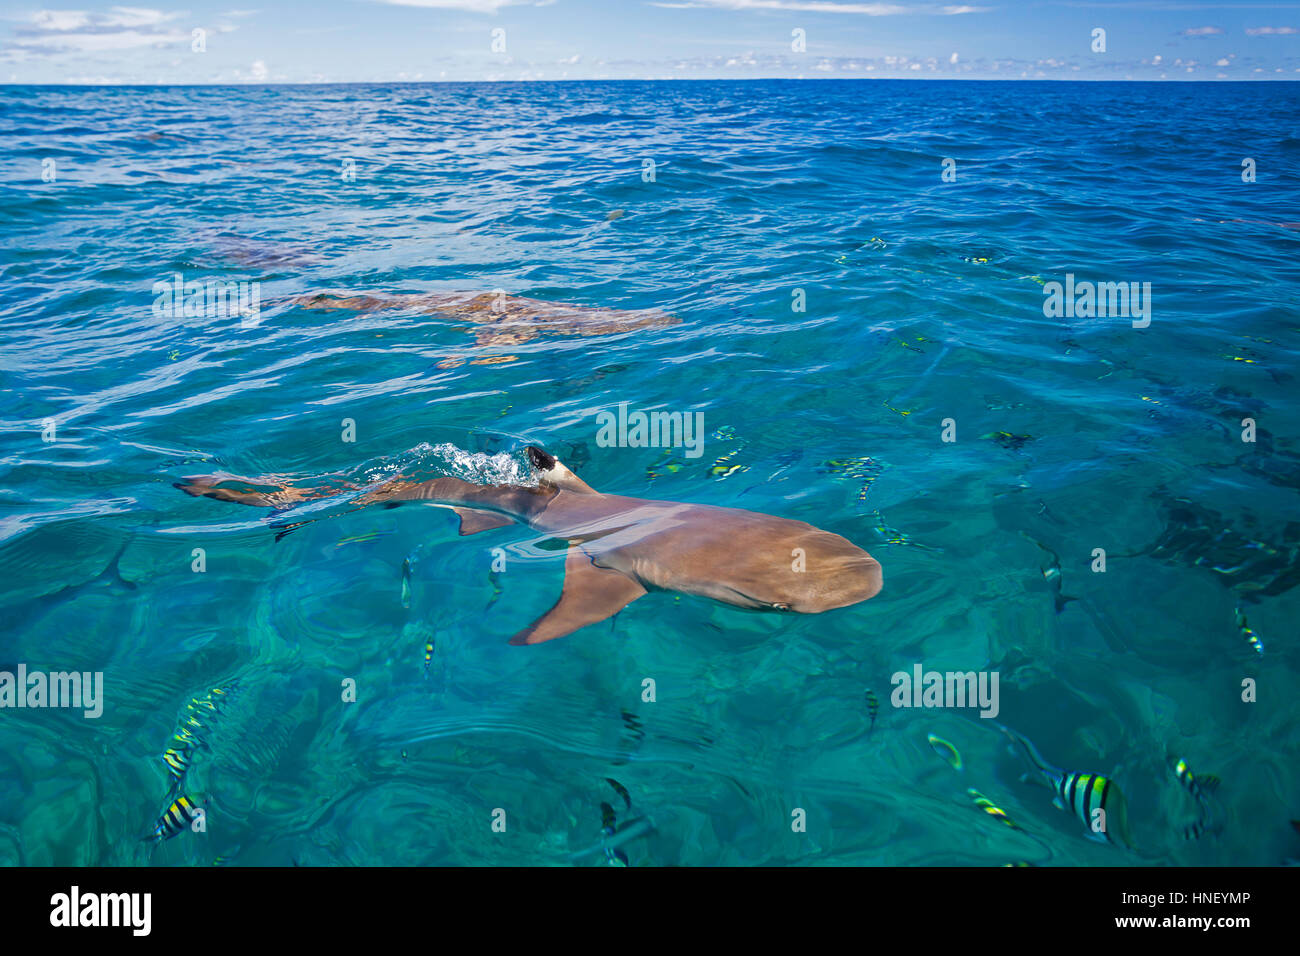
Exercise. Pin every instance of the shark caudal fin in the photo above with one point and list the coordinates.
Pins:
(591, 593)
(553, 472)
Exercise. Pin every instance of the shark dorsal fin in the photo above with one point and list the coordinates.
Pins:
(553, 472)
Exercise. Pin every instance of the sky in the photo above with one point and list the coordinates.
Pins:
(339, 41)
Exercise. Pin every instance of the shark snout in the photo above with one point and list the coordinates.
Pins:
(858, 582)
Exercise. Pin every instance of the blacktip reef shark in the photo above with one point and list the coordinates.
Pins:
(620, 548)
(499, 319)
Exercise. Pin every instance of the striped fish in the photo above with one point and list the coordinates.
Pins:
(873, 708)
(178, 763)
(1199, 788)
(1251, 637)
(198, 715)
(176, 818)
(992, 809)
(1084, 794)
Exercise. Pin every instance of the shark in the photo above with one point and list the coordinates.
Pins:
(619, 548)
(498, 319)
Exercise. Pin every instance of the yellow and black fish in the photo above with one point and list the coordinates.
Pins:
(945, 750)
(199, 716)
(1251, 637)
(1009, 441)
(989, 807)
(873, 707)
(724, 467)
(667, 461)
(1199, 787)
(1084, 795)
(178, 763)
(428, 656)
(177, 817)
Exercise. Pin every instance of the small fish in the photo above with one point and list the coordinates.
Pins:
(873, 707)
(403, 753)
(945, 750)
(176, 818)
(361, 538)
(621, 791)
(1008, 440)
(406, 583)
(1251, 637)
(973, 259)
(633, 724)
(1083, 794)
(1051, 572)
(724, 468)
(667, 462)
(897, 411)
(428, 656)
(608, 826)
(890, 535)
(615, 214)
(178, 763)
(1052, 575)
(494, 578)
(1200, 788)
(987, 805)
(609, 843)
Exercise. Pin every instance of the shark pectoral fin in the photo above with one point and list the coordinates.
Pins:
(472, 521)
(590, 594)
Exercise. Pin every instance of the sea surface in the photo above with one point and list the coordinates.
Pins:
(840, 309)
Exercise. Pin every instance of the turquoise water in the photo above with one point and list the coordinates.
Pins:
(924, 302)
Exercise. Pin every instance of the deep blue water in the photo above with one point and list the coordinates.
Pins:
(924, 301)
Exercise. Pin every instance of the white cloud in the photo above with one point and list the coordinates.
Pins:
(1222, 62)
(468, 6)
(1201, 31)
(75, 31)
(1270, 31)
(819, 6)
(258, 71)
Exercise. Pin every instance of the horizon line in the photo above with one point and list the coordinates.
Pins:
(674, 79)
